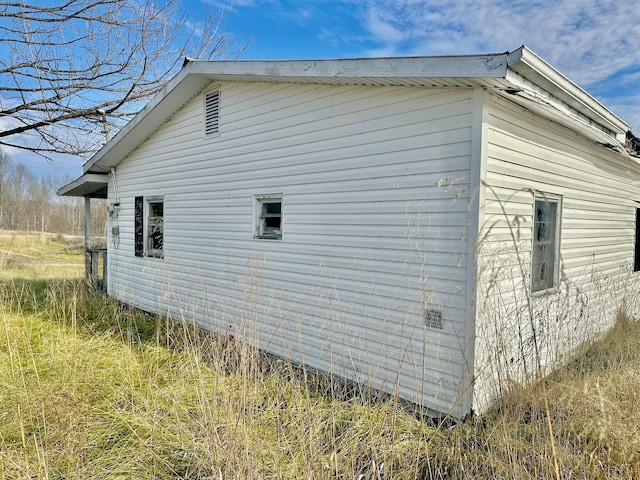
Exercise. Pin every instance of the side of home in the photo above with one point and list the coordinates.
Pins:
(558, 255)
(435, 227)
(325, 224)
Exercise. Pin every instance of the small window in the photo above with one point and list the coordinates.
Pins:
(636, 256)
(268, 217)
(545, 245)
(211, 113)
(149, 227)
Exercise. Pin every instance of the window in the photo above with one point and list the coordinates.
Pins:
(636, 256)
(155, 228)
(545, 245)
(211, 113)
(149, 227)
(268, 223)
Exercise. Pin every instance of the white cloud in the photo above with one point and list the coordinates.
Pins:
(587, 40)
(594, 43)
(381, 27)
(627, 108)
(230, 3)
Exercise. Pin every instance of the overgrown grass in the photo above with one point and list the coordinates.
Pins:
(93, 389)
(39, 256)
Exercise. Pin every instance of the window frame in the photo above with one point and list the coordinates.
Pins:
(142, 211)
(261, 231)
(537, 287)
(149, 250)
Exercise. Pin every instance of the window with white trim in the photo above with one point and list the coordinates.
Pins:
(545, 248)
(155, 228)
(149, 227)
(268, 217)
(211, 120)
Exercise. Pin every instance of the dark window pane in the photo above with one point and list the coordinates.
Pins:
(156, 209)
(155, 229)
(272, 222)
(272, 208)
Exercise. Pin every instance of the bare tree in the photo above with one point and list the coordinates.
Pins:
(5, 166)
(29, 203)
(69, 68)
(16, 197)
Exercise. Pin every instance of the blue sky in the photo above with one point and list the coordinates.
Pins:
(596, 43)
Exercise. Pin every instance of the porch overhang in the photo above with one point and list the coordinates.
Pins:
(93, 185)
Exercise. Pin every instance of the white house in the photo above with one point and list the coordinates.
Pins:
(434, 227)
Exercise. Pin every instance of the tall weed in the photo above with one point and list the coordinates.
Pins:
(90, 388)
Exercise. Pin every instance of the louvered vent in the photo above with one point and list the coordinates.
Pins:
(211, 113)
(433, 318)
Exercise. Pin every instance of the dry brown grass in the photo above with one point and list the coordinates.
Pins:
(92, 389)
(39, 256)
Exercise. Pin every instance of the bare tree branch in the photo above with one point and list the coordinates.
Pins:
(62, 62)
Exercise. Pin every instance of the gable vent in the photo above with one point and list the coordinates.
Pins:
(211, 113)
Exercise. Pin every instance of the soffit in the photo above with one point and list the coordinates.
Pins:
(528, 70)
(92, 185)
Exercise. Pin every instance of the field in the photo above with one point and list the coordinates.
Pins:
(93, 389)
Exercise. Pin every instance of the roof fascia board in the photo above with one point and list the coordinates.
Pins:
(463, 66)
(525, 89)
(184, 81)
(558, 84)
(551, 112)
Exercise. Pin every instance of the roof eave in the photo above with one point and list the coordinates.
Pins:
(526, 63)
(93, 185)
(196, 75)
(356, 70)
(175, 94)
(519, 67)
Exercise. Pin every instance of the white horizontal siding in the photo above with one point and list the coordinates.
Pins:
(375, 185)
(599, 191)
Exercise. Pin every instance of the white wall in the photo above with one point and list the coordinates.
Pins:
(376, 192)
(520, 334)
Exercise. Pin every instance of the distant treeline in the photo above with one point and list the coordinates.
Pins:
(30, 203)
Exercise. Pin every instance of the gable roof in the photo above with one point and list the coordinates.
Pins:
(521, 75)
